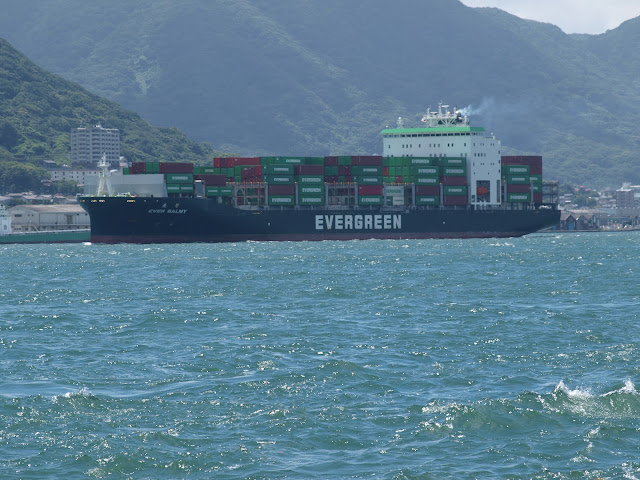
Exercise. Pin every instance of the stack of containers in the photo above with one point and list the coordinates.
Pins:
(280, 184)
(454, 181)
(179, 182)
(310, 178)
(510, 168)
(366, 171)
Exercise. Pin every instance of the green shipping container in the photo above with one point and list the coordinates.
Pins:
(125, 171)
(454, 171)
(370, 199)
(518, 180)
(310, 190)
(394, 191)
(311, 180)
(265, 161)
(331, 170)
(368, 180)
(152, 167)
(199, 170)
(311, 200)
(212, 191)
(424, 171)
(427, 200)
(279, 169)
(424, 161)
(343, 160)
(430, 181)
(314, 160)
(366, 170)
(282, 200)
(291, 160)
(536, 178)
(173, 188)
(454, 190)
(453, 161)
(225, 191)
(186, 188)
(174, 178)
(515, 169)
(518, 197)
(280, 179)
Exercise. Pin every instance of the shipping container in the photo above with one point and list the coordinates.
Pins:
(518, 179)
(430, 180)
(212, 191)
(370, 189)
(311, 190)
(331, 179)
(176, 167)
(280, 179)
(427, 199)
(426, 170)
(453, 161)
(360, 170)
(225, 191)
(518, 188)
(179, 178)
(518, 197)
(210, 180)
(343, 170)
(331, 170)
(366, 160)
(279, 169)
(423, 161)
(458, 200)
(454, 190)
(311, 200)
(427, 190)
(454, 181)
(184, 188)
(368, 180)
(282, 189)
(393, 190)
(454, 171)
(331, 161)
(173, 188)
(344, 160)
(309, 170)
(285, 200)
(311, 179)
(537, 198)
(291, 160)
(515, 169)
(370, 200)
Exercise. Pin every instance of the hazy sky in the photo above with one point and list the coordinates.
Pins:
(572, 16)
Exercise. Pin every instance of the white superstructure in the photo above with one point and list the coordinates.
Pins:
(5, 221)
(447, 134)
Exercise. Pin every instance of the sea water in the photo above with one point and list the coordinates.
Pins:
(490, 358)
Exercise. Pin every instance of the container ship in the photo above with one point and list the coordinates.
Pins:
(445, 179)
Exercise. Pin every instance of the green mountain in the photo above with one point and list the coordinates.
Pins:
(320, 77)
(38, 110)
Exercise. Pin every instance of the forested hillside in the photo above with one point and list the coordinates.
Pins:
(321, 77)
(38, 110)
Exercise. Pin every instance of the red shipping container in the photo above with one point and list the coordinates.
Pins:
(399, 179)
(344, 170)
(331, 179)
(427, 190)
(348, 179)
(370, 189)
(212, 180)
(308, 169)
(537, 198)
(385, 171)
(138, 167)
(217, 162)
(454, 180)
(176, 167)
(331, 161)
(246, 161)
(518, 188)
(455, 200)
(282, 189)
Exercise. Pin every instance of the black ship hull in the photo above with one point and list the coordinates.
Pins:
(190, 219)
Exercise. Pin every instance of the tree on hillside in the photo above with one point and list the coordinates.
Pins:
(21, 177)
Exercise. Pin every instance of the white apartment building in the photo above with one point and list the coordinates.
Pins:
(88, 144)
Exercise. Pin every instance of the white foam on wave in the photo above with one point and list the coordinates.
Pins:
(576, 393)
(83, 392)
(628, 387)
